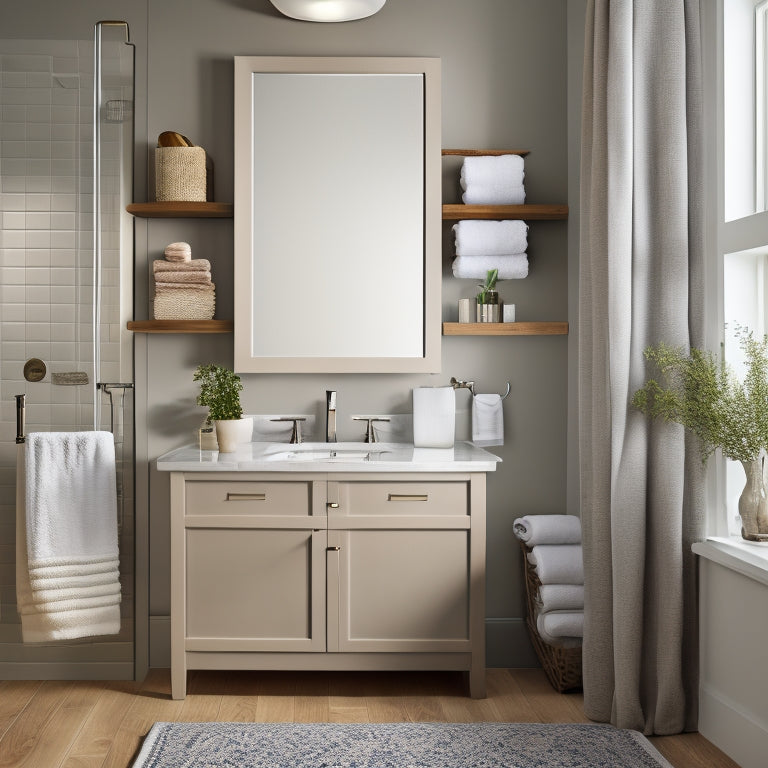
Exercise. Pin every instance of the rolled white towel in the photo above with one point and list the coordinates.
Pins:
(548, 529)
(558, 563)
(561, 597)
(511, 267)
(475, 237)
(493, 180)
(560, 624)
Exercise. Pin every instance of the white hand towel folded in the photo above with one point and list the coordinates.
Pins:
(493, 180)
(560, 624)
(511, 267)
(487, 420)
(548, 529)
(561, 597)
(490, 238)
(558, 563)
(67, 532)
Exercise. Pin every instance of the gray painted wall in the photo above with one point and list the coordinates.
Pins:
(505, 81)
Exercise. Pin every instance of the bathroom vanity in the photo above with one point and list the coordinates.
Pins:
(343, 556)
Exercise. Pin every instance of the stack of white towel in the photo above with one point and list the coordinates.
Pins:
(483, 245)
(183, 287)
(555, 542)
(67, 562)
(493, 180)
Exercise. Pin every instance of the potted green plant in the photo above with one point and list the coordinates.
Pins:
(488, 299)
(703, 395)
(220, 392)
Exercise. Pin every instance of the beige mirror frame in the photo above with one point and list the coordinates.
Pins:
(338, 215)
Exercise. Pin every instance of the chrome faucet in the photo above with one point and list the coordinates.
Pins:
(330, 416)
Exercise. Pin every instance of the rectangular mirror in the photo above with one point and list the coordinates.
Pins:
(337, 214)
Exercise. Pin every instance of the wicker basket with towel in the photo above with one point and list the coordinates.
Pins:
(554, 588)
(183, 171)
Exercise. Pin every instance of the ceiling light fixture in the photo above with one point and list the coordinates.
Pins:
(328, 10)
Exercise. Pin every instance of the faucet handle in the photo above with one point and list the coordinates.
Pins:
(370, 435)
(296, 431)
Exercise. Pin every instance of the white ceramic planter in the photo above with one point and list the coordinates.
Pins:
(233, 432)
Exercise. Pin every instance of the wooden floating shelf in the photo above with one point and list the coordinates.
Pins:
(182, 210)
(181, 326)
(454, 212)
(506, 329)
(484, 152)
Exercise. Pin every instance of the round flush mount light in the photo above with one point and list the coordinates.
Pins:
(328, 10)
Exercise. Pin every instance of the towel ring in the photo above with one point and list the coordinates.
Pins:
(470, 385)
(506, 394)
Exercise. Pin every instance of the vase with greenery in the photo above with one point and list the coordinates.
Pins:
(220, 392)
(702, 394)
(488, 299)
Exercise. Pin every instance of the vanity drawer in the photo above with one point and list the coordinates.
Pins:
(249, 498)
(401, 498)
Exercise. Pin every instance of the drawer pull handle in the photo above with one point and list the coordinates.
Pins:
(246, 496)
(332, 549)
(408, 497)
(332, 505)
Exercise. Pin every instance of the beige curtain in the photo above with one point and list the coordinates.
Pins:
(641, 283)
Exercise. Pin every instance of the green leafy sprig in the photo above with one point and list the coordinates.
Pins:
(490, 284)
(703, 395)
(219, 391)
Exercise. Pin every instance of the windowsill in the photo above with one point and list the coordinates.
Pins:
(749, 558)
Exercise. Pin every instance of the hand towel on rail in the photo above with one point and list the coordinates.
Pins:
(476, 237)
(558, 563)
(487, 420)
(67, 553)
(493, 180)
(511, 267)
(548, 529)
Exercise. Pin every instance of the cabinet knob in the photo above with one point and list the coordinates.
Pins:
(332, 505)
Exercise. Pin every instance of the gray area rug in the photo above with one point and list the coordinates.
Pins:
(395, 745)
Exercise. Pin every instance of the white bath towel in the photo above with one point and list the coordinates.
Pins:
(560, 624)
(561, 597)
(548, 529)
(487, 420)
(66, 545)
(558, 563)
(475, 237)
(511, 267)
(493, 180)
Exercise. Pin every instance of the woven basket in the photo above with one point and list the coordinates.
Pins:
(180, 174)
(561, 665)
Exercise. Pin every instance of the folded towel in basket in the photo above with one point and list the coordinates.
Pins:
(493, 180)
(511, 267)
(558, 563)
(560, 597)
(548, 529)
(67, 577)
(490, 238)
(560, 624)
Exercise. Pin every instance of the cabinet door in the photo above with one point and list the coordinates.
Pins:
(403, 566)
(255, 589)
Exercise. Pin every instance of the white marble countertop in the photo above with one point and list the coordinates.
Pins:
(318, 457)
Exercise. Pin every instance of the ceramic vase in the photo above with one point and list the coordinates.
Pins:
(233, 432)
(753, 502)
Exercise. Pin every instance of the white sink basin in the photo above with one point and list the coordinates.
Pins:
(332, 452)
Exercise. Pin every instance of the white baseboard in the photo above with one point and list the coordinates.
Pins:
(506, 641)
(742, 735)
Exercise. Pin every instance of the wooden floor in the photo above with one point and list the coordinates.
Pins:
(101, 725)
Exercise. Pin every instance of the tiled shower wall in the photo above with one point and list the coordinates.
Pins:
(46, 282)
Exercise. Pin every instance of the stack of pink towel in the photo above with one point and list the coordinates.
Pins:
(183, 287)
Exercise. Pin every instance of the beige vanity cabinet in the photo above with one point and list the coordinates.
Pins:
(327, 571)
